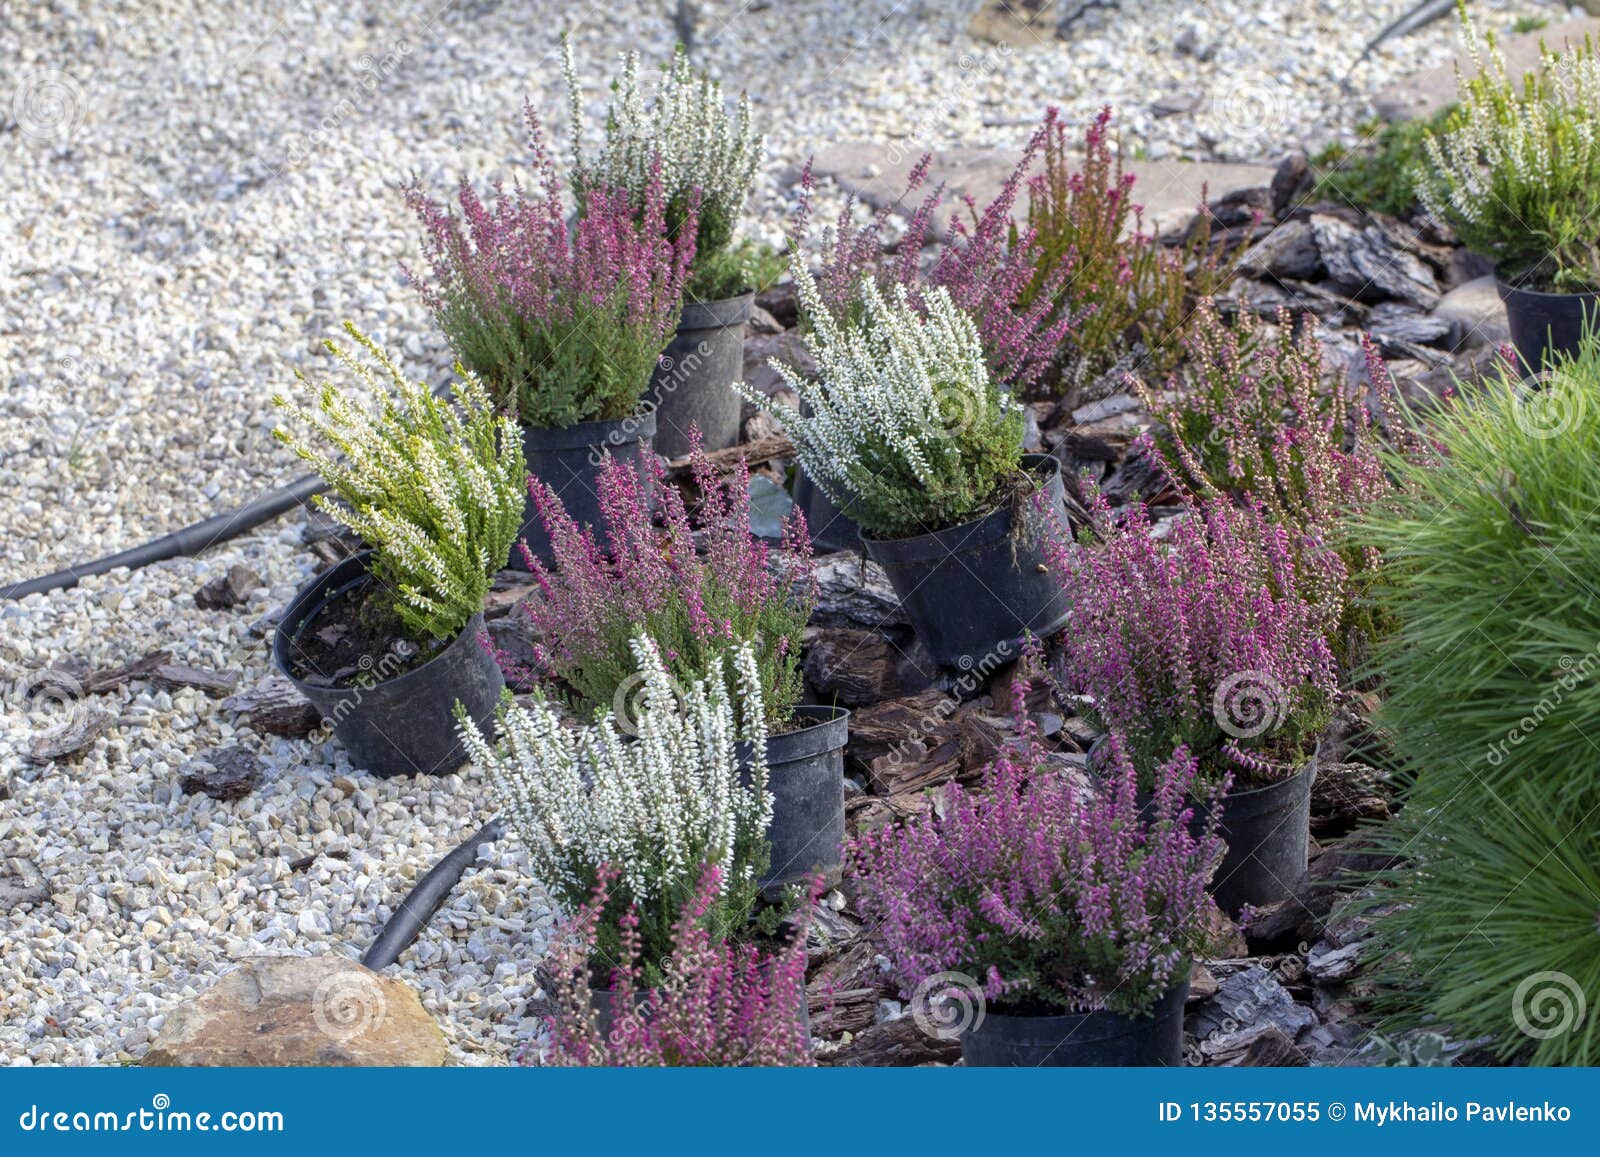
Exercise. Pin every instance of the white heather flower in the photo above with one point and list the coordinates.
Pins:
(656, 808)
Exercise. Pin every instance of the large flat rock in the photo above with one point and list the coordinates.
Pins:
(1425, 93)
(1169, 190)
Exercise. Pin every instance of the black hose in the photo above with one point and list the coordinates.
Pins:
(191, 540)
(426, 898)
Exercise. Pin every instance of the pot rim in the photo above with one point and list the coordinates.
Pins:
(1048, 466)
(825, 717)
(1508, 290)
(310, 593)
(583, 435)
(718, 313)
(1308, 768)
(1125, 1024)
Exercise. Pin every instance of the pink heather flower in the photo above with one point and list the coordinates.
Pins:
(1216, 639)
(698, 597)
(1057, 897)
(988, 266)
(720, 1004)
(564, 323)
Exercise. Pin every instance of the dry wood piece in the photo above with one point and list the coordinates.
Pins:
(275, 707)
(175, 676)
(82, 727)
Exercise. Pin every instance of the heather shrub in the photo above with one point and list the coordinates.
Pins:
(705, 158)
(718, 1003)
(1489, 676)
(1129, 295)
(435, 489)
(986, 266)
(1049, 899)
(699, 606)
(1252, 418)
(563, 324)
(902, 424)
(657, 804)
(1515, 170)
(1215, 639)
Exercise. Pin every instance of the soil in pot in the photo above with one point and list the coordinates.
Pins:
(568, 460)
(1546, 324)
(394, 713)
(998, 1038)
(973, 591)
(693, 382)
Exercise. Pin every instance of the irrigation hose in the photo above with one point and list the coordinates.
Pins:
(426, 898)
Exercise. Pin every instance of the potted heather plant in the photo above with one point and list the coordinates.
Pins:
(1515, 171)
(904, 427)
(722, 1004)
(563, 325)
(698, 602)
(985, 265)
(1215, 639)
(388, 644)
(658, 805)
(704, 156)
(1065, 935)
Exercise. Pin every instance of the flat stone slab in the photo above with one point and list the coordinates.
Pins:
(1425, 93)
(1170, 190)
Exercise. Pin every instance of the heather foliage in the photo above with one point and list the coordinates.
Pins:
(1515, 170)
(1129, 295)
(698, 606)
(657, 804)
(902, 424)
(1491, 675)
(565, 325)
(718, 1003)
(435, 489)
(1215, 640)
(703, 157)
(986, 267)
(1053, 900)
(1253, 419)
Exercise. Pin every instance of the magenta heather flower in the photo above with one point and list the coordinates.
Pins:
(698, 598)
(564, 324)
(1052, 896)
(1216, 638)
(987, 266)
(720, 1004)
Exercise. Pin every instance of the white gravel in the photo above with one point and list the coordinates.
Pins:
(196, 194)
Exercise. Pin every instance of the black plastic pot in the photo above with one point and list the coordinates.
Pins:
(568, 460)
(400, 726)
(831, 530)
(1097, 1039)
(693, 381)
(971, 592)
(805, 773)
(1546, 323)
(1268, 831)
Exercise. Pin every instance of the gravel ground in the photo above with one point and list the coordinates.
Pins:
(197, 194)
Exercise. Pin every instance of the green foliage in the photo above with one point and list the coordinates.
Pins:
(1515, 170)
(1491, 550)
(1497, 929)
(1381, 174)
(1128, 292)
(735, 269)
(435, 489)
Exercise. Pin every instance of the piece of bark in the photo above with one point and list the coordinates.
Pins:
(223, 773)
(855, 668)
(275, 707)
(897, 1043)
(83, 727)
(176, 676)
(723, 461)
(113, 677)
(228, 590)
